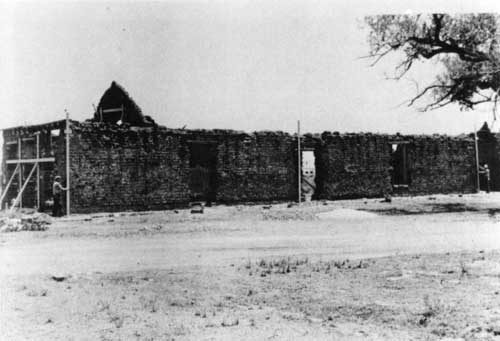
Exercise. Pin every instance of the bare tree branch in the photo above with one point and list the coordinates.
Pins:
(465, 44)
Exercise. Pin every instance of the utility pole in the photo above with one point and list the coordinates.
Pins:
(37, 171)
(20, 184)
(67, 132)
(299, 158)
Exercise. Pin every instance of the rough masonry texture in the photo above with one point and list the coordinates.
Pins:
(360, 165)
(353, 166)
(122, 160)
(441, 164)
(123, 168)
(115, 168)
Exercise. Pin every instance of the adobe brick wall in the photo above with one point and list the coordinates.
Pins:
(257, 167)
(118, 168)
(359, 165)
(441, 164)
(353, 166)
(114, 168)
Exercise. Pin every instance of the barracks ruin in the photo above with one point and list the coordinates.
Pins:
(122, 160)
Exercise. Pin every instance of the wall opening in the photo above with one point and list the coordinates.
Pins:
(54, 138)
(399, 162)
(308, 185)
(11, 150)
(202, 171)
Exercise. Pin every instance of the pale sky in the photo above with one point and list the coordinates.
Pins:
(244, 65)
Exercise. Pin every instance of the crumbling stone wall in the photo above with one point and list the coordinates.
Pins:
(441, 164)
(130, 168)
(257, 167)
(353, 166)
(122, 168)
(138, 168)
(360, 165)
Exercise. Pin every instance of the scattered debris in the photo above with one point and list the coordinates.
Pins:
(59, 278)
(37, 293)
(288, 215)
(15, 222)
(230, 322)
(196, 207)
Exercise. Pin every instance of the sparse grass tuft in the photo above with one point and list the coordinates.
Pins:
(285, 265)
(230, 322)
(116, 319)
(102, 305)
(151, 304)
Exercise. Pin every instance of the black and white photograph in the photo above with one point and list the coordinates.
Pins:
(250, 170)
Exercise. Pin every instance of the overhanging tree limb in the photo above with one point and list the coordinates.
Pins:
(466, 45)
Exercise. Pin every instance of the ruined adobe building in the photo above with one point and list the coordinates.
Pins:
(122, 160)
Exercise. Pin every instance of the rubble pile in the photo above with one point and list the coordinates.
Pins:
(24, 222)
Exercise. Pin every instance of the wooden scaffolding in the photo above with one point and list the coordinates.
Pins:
(32, 163)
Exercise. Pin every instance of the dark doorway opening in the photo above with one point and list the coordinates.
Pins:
(202, 174)
(399, 163)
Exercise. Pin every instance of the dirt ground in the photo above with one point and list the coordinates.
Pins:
(421, 268)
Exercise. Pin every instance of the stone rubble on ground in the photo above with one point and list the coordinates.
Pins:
(15, 222)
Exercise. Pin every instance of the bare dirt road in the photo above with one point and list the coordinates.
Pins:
(417, 268)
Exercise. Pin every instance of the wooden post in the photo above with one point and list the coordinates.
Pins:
(37, 171)
(478, 189)
(299, 158)
(20, 178)
(20, 194)
(67, 131)
(6, 189)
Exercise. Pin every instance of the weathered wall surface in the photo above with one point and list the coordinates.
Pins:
(140, 168)
(360, 165)
(441, 164)
(353, 166)
(257, 167)
(114, 168)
